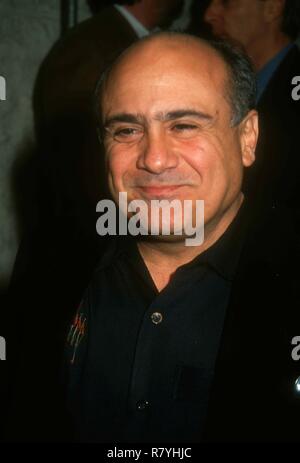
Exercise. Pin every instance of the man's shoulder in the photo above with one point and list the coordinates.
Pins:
(272, 241)
(265, 289)
(291, 62)
(279, 89)
(105, 31)
(288, 68)
(101, 26)
(69, 72)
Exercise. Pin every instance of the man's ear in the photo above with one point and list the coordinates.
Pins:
(248, 131)
(273, 9)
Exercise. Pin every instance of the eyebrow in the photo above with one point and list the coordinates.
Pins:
(123, 117)
(178, 113)
(164, 117)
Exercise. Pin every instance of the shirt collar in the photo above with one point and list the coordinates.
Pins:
(137, 26)
(265, 74)
(222, 256)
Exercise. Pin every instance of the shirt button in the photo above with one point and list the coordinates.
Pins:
(297, 385)
(141, 405)
(156, 318)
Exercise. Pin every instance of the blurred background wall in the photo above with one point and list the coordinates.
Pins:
(28, 29)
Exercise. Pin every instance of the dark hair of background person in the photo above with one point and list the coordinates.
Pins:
(197, 26)
(97, 5)
(291, 18)
(240, 89)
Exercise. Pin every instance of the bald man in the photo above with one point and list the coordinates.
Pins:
(171, 342)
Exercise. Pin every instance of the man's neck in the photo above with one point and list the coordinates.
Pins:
(163, 258)
(262, 53)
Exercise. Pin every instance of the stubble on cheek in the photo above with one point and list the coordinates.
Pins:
(111, 174)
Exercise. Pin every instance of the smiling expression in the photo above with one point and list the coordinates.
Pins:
(168, 132)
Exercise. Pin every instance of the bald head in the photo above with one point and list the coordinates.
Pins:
(167, 112)
(228, 68)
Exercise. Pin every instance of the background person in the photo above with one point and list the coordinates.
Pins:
(267, 30)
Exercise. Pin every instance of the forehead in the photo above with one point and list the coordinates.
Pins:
(166, 74)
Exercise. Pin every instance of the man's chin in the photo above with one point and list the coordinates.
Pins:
(162, 238)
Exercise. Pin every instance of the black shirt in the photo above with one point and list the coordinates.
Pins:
(141, 362)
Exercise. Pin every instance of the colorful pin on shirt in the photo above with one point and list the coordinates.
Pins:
(76, 333)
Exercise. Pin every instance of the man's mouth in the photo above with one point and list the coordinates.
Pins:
(157, 191)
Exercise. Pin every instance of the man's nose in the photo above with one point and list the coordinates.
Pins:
(214, 12)
(157, 154)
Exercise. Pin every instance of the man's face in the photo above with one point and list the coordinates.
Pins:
(173, 95)
(240, 20)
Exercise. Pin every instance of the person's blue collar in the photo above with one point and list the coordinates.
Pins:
(264, 76)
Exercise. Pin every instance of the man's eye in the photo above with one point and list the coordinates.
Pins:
(125, 132)
(185, 130)
(181, 127)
